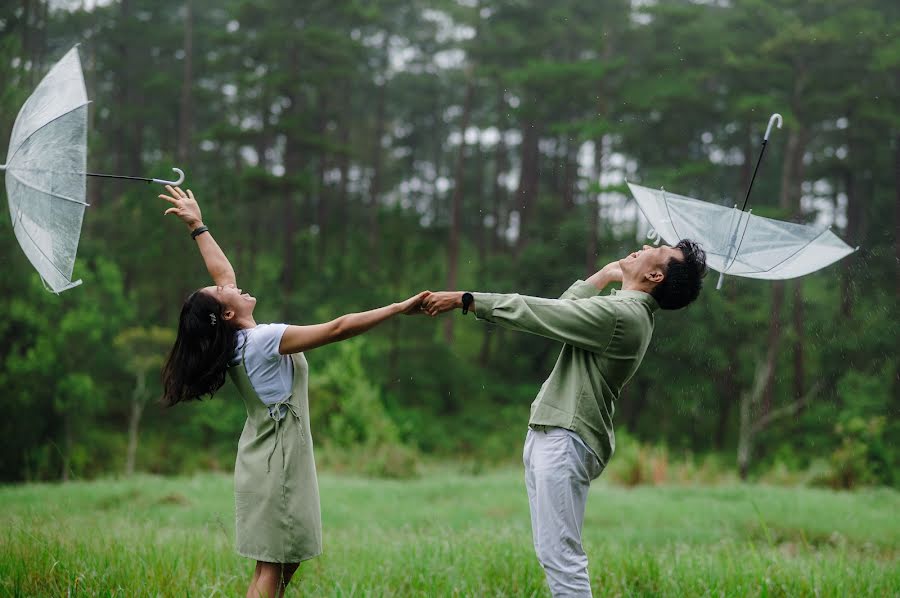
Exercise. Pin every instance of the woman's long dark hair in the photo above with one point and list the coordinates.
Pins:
(204, 346)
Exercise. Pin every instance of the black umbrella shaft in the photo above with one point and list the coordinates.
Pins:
(755, 170)
(130, 178)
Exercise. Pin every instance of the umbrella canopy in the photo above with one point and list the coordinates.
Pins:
(45, 172)
(737, 242)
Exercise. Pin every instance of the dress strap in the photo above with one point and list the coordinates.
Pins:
(244, 350)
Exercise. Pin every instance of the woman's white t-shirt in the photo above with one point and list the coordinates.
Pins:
(270, 373)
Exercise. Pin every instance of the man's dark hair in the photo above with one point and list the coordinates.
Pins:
(683, 279)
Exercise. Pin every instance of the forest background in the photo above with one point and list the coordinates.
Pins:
(348, 154)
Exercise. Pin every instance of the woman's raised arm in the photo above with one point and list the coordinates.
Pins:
(188, 211)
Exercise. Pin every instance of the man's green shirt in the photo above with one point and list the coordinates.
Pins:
(605, 338)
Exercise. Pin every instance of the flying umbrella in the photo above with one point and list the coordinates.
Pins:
(45, 172)
(736, 242)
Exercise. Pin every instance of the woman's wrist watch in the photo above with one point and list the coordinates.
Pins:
(467, 300)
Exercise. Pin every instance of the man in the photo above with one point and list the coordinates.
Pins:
(570, 438)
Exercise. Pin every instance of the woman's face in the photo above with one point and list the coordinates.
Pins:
(235, 303)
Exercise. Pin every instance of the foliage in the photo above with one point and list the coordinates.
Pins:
(322, 140)
(352, 425)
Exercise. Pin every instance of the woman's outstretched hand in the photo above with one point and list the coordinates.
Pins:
(184, 206)
(413, 305)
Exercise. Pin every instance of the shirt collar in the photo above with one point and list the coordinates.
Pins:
(641, 296)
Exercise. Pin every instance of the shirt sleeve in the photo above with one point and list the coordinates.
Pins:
(584, 323)
(267, 338)
(580, 290)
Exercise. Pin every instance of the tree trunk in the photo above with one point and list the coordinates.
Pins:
(456, 204)
(774, 339)
(186, 108)
(123, 95)
(375, 188)
(42, 46)
(794, 193)
(68, 442)
(526, 194)
(341, 209)
(593, 205)
(477, 204)
(322, 204)
(897, 213)
(570, 175)
(34, 37)
(90, 84)
(293, 165)
(896, 389)
(727, 389)
(850, 182)
(799, 368)
(26, 39)
(138, 396)
(749, 399)
(792, 169)
(498, 204)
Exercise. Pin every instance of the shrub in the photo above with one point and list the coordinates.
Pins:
(350, 422)
(862, 457)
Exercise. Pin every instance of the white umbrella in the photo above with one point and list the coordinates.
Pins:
(45, 172)
(737, 242)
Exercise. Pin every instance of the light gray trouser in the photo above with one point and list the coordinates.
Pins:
(559, 468)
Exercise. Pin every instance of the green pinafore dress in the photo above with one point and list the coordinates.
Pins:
(276, 493)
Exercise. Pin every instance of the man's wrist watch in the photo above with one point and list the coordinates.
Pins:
(467, 300)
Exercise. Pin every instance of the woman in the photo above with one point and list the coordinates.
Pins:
(276, 493)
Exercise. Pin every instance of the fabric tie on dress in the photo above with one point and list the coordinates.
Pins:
(276, 414)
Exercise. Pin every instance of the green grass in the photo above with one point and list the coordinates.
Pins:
(448, 534)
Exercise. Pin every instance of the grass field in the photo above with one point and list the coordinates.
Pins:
(448, 534)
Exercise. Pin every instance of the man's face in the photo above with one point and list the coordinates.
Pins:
(648, 265)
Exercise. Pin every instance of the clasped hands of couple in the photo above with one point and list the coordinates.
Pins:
(435, 303)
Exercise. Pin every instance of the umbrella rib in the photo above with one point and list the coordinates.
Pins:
(50, 193)
(807, 244)
(30, 135)
(38, 247)
(737, 251)
(671, 220)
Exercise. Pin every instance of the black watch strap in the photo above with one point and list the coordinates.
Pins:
(198, 231)
(467, 300)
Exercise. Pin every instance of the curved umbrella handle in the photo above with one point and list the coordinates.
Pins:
(772, 119)
(180, 178)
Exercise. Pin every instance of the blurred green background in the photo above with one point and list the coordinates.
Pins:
(348, 154)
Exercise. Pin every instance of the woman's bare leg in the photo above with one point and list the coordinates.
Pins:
(270, 579)
(251, 591)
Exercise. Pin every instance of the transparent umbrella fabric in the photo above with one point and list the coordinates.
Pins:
(45, 172)
(738, 243)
